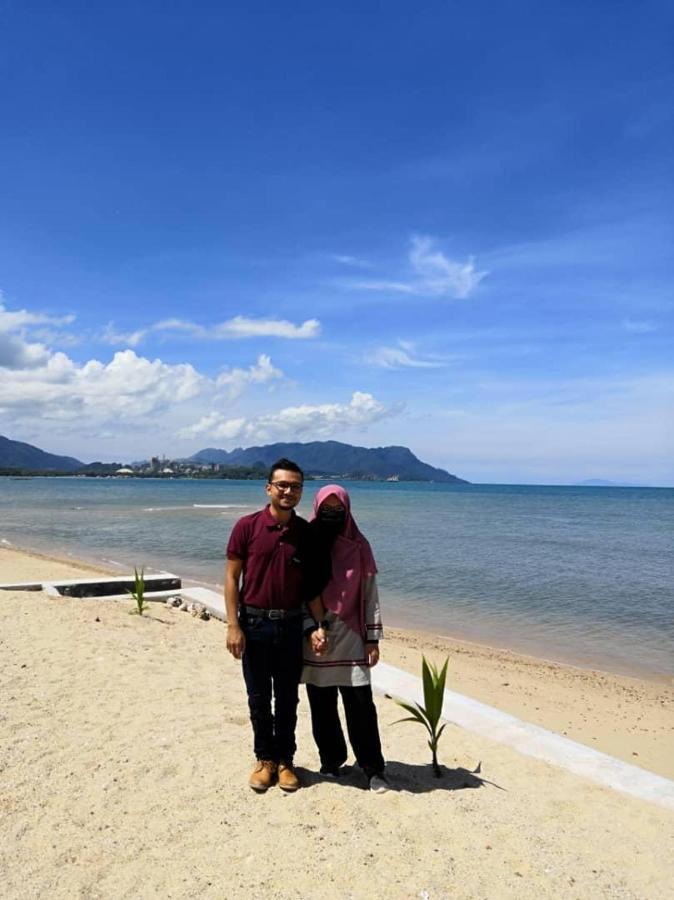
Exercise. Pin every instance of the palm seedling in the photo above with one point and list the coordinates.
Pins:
(429, 714)
(138, 592)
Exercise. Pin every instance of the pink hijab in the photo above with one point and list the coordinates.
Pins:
(352, 560)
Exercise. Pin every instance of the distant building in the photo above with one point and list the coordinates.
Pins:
(124, 471)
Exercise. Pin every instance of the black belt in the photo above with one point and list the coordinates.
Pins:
(258, 612)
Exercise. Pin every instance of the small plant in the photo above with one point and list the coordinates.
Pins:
(138, 593)
(429, 714)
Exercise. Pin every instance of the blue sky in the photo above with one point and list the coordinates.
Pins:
(442, 225)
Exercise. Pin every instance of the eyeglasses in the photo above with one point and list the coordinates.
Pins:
(293, 486)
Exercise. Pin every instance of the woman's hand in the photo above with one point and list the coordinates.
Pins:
(319, 641)
(372, 651)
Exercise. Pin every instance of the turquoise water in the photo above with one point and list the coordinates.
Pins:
(583, 575)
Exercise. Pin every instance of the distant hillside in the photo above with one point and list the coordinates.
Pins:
(602, 482)
(332, 458)
(17, 455)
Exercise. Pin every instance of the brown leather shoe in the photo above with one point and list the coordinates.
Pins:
(263, 775)
(287, 779)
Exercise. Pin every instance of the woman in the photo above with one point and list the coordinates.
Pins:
(343, 646)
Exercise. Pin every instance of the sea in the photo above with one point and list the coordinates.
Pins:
(580, 575)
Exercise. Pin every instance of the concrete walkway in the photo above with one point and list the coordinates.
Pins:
(531, 740)
(487, 721)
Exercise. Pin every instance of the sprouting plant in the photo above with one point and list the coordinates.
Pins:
(138, 593)
(429, 714)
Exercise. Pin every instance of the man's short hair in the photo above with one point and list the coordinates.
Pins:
(286, 464)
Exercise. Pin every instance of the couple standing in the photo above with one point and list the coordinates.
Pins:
(288, 580)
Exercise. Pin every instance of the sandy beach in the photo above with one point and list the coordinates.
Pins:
(125, 750)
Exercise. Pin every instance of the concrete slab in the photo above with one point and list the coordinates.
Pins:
(105, 586)
(212, 600)
(492, 723)
(150, 596)
(22, 586)
(531, 740)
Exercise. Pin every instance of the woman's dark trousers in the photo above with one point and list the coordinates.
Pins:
(272, 664)
(361, 725)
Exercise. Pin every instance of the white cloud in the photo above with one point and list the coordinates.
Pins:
(122, 338)
(293, 422)
(237, 328)
(128, 387)
(37, 383)
(400, 357)
(436, 274)
(214, 425)
(18, 319)
(242, 327)
(353, 261)
(17, 351)
(236, 380)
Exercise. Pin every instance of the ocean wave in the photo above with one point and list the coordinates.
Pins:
(198, 506)
(221, 506)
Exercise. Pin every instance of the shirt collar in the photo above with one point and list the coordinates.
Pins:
(271, 522)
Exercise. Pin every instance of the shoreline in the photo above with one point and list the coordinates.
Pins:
(631, 718)
(393, 614)
(618, 671)
(126, 748)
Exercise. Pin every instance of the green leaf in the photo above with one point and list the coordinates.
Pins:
(442, 679)
(432, 697)
(397, 721)
(433, 680)
(408, 706)
(415, 711)
(427, 680)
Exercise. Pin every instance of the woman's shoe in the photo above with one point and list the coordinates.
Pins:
(378, 783)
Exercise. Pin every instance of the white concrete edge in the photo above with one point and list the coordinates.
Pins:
(531, 740)
(42, 585)
(487, 721)
(114, 579)
(22, 586)
(150, 596)
(212, 600)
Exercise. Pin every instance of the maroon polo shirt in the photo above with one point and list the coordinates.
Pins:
(270, 552)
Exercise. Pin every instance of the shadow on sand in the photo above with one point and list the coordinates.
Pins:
(418, 779)
(415, 779)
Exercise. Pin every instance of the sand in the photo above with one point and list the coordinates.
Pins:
(629, 718)
(125, 749)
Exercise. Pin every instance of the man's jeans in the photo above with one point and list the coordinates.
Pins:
(272, 663)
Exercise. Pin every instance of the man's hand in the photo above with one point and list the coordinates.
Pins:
(319, 641)
(372, 651)
(236, 640)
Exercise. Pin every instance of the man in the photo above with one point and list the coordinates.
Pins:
(265, 585)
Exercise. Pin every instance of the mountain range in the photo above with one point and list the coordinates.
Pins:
(320, 458)
(17, 455)
(332, 458)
